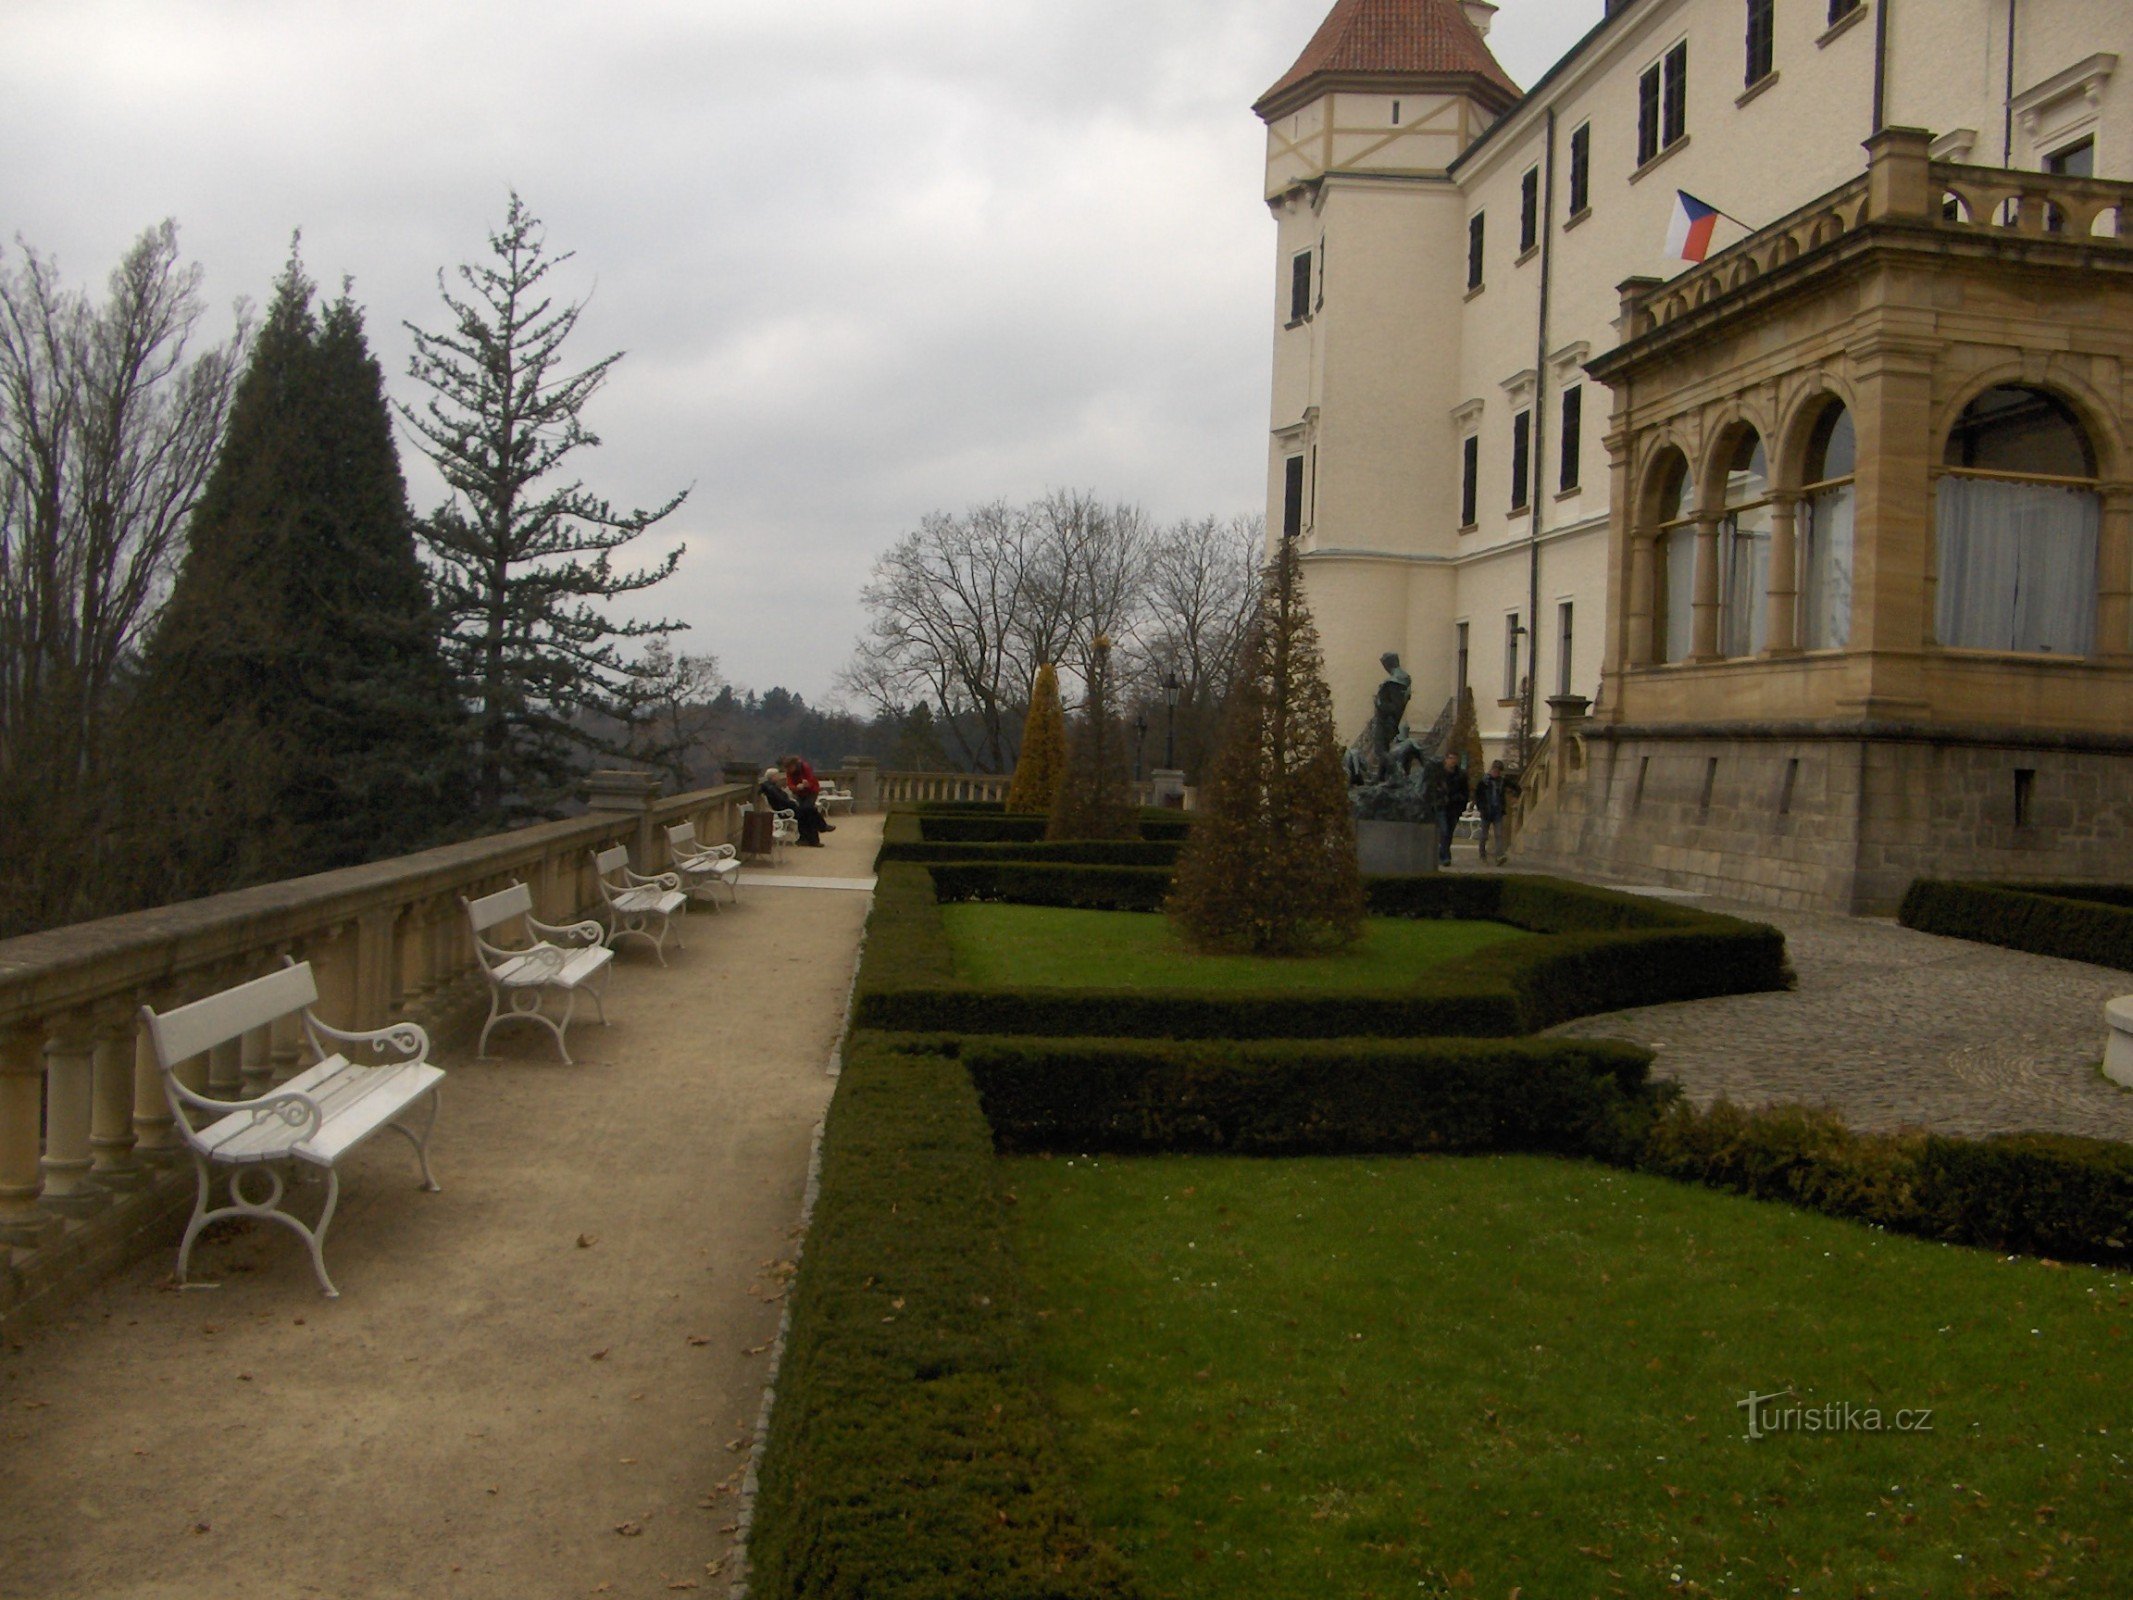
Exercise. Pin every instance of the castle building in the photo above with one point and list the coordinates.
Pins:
(1833, 530)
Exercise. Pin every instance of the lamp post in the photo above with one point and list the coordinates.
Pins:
(1170, 734)
(1140, 738)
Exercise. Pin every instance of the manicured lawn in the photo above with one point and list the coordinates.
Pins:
(1045, 947)
(1511, 1376)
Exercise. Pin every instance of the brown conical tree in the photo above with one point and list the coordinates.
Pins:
(1042, 764)
(1270, 867)
(1092, 802)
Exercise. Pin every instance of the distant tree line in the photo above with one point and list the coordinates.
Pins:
(964, 609)
(230, 651)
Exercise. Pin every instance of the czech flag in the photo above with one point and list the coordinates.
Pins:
(1694, 223)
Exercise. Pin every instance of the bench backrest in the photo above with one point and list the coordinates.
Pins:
(502, 906)
(682, 838)
(612, 860)
(194, 1029)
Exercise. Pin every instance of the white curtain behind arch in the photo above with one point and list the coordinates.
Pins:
(1744, 551)
(2017, 566)
(1826, 604)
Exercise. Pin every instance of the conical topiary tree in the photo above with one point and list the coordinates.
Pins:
(1042, 763)
(1092, 802)
(1270, 866)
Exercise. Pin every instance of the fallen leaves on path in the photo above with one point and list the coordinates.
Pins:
(629, 1530)
(601, 1354)
(587, 1240)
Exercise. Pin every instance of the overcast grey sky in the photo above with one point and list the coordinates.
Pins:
(868, 257)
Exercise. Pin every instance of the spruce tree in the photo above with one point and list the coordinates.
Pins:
(521, 557)
(293, 700)
(1270, 865)
(1092, 802)
(1041, 765)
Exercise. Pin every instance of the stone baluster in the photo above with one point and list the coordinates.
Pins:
(286, 1049)
(1703, 636)
(225, 1072)
(113, 1164)
(155, 1128)
(21, 1102)
(255, 1062)
(1782, 616)
(69, 1100)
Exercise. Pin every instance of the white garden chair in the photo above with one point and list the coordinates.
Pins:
(315, 1118)
(520, 980)
(703, 867)
(636, 904)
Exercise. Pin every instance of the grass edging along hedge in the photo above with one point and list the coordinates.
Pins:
(1319, 1097)
(1609, 951)
(913, 1456)
(2081, 922)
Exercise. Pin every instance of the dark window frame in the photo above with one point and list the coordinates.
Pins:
(1675, 123)
(1522, 460)
(1569, 474)
(1762, 41)
(1477, 234)
(1529, 209)
(1580, 168)
(1470, 481)
(1840, 9)
(1292, 497)
(1300, 275)
(1649, 101)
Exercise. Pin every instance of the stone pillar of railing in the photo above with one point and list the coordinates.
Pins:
(155, 1129)
(111, 1135)
(1643, 576)
(630, 793)
(21, 1101)
(69, 1103)
(1899, 176)
(866, 782)
(2114, 586)
(1166, 787)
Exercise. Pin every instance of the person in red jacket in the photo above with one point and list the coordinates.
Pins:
(807, 791)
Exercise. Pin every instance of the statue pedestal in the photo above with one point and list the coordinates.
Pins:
(1396, 847)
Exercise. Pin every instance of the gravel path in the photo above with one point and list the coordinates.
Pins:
(1896, 1028)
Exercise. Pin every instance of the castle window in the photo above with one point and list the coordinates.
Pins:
(1476, 232)
(1663, 103)
(1521, 460)
(2075, 161)
(1826, 532)
(1572, 443)
(1581, 169)
(1565, 636)
(1470, 481)
(1299, 287)
(1744, 550)
(2017, 514)
(1762, 40)
(1292, 497)
(1840, 9)
(1529, 210)
(1465, 662)
(1512, 630)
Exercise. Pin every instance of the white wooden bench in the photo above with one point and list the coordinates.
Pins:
(635, 903)
(703, 867)
(833, 801)
(521, 979)
(317, 1117)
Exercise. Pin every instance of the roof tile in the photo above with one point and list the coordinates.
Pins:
(1374, 36)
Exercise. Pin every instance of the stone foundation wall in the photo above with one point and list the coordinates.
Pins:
(1834, 822)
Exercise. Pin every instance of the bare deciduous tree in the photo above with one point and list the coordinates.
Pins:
(964, 609)
(1201, 594)
(107, 432)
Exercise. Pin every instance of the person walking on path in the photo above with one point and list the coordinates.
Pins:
(1451, 805)
(1491, 796)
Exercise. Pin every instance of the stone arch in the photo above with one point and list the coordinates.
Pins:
(1787, 444)
(2106, 439)
(1722, 434)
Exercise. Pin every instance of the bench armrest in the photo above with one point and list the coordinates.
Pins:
(407, 1038)
(590, 932)
(658, 880)
(292, 1106)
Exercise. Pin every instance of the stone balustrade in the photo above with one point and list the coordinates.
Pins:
(87, 1143)
(1902, 184)
(909, 788)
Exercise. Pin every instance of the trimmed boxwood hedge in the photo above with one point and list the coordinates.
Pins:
(1608, 951)
(995, 826)
(914, 1455)
(1350, 1097)
(1071, 852)
(2080, 921)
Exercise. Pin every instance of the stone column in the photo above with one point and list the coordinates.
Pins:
(2114, 574)
(634, 793)
(111, 1136)
(69, 1084)
(866, 782)
(1782, 619)
(1703, 636)
(21, 1100)
(256, 1062)
(1643, 581)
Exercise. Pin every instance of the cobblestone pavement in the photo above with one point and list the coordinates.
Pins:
(1896, 1028)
